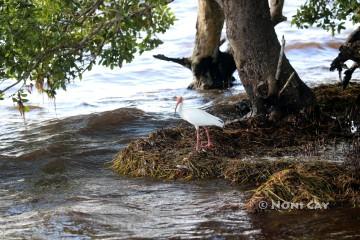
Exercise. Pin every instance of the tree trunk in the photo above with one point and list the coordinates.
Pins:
(256, 51)
(276, 7)
(211, 68)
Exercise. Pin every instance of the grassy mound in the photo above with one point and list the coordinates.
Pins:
(170, 154)
(309, 156)
(305, 182)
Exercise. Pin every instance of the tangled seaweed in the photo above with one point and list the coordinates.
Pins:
(305, 182)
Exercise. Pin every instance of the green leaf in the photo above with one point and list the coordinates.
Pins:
(327, 14)
(26, 108)
(56, 41)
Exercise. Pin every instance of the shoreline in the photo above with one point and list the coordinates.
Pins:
(306, 157)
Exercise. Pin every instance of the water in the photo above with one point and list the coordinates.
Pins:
(54, 182)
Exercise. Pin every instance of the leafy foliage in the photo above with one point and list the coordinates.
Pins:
(327, 14)
(48, 43)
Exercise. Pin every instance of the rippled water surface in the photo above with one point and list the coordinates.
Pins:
(54, 179)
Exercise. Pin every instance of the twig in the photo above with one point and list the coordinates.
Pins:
(12, 85)
(281, 55)
(186, 62)
(222, 41)
(286, 84)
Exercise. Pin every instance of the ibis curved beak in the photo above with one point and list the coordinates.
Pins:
(178, 101)
(176, 107)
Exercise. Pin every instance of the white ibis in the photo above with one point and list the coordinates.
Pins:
(198, 118)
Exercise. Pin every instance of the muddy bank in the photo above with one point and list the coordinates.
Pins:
(312, 156)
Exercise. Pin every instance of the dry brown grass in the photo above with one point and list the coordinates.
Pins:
(304, 182)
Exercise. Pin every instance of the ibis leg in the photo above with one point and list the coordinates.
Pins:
(209, 144)
(197, 139)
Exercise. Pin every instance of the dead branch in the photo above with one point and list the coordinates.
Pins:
(281, 56)
(287, 84)
(222, 41)
(185, 62)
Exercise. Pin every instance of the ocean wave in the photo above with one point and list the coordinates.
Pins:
(316, 45)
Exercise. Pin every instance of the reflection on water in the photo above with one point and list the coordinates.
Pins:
(54, 183)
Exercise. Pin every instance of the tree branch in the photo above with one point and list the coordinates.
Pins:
(72, 48)
(93, 8)
(273, 81)
(222, 41)
(281, 56)
(11, 86)
(276, 7)
(287, 84)
(185, 62)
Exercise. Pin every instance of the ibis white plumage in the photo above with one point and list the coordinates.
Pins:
(198, 118)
